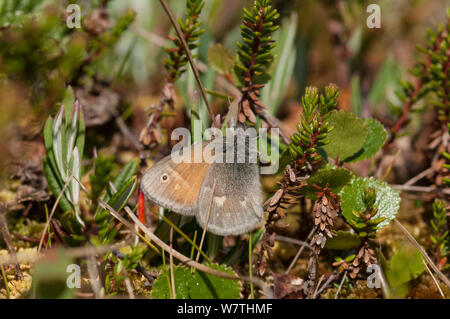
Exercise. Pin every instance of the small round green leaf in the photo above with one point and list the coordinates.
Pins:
(348, 135)
(197, 284)
(161, 286)
(374, 141)
(206, 286)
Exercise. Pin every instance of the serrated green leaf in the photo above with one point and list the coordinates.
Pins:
(348, 135)
(197, 285)
(161, 286)
(375, 140)
(206, 286)
(343, 241)
(387, 202)
(220, 58)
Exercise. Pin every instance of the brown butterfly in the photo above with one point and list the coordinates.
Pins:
(224, 197)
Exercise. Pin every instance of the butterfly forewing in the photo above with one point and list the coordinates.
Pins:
(175, 186)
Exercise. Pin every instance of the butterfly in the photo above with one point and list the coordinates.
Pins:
(225, 197)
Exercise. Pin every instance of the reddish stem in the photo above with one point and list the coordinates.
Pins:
(141, 207)
(411, 99)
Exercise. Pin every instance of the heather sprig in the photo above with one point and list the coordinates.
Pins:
(439, 235)
(446, 165)
(177, 59)
(313, 127)
(432, 73)
(365, 226)
(363, 222)
(254, 50)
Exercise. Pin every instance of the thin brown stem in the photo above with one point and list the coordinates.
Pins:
(299, 252)
(172, 277)
(7, 238)
(189, 56)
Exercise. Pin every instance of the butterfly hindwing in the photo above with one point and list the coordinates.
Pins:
(232, 195)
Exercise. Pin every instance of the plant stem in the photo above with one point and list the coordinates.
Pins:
(5, 281)
(189, 56)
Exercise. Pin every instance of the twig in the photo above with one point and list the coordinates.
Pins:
(388, 170)
(189, 56)
(7, 238)
(384, 285)
(434, 279)
(172, 277)
(114, 190)
(126, 133)
(128, 284)
(419, 176)
(317, 287)
(325, 285)
(424, 254)
(299, 252)
(72, 252)
(421, 189)
(299, 242)
(340, 285)
(272, 121)
(150, 36)
(93, 276)
(294, 241)
(139, 268)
